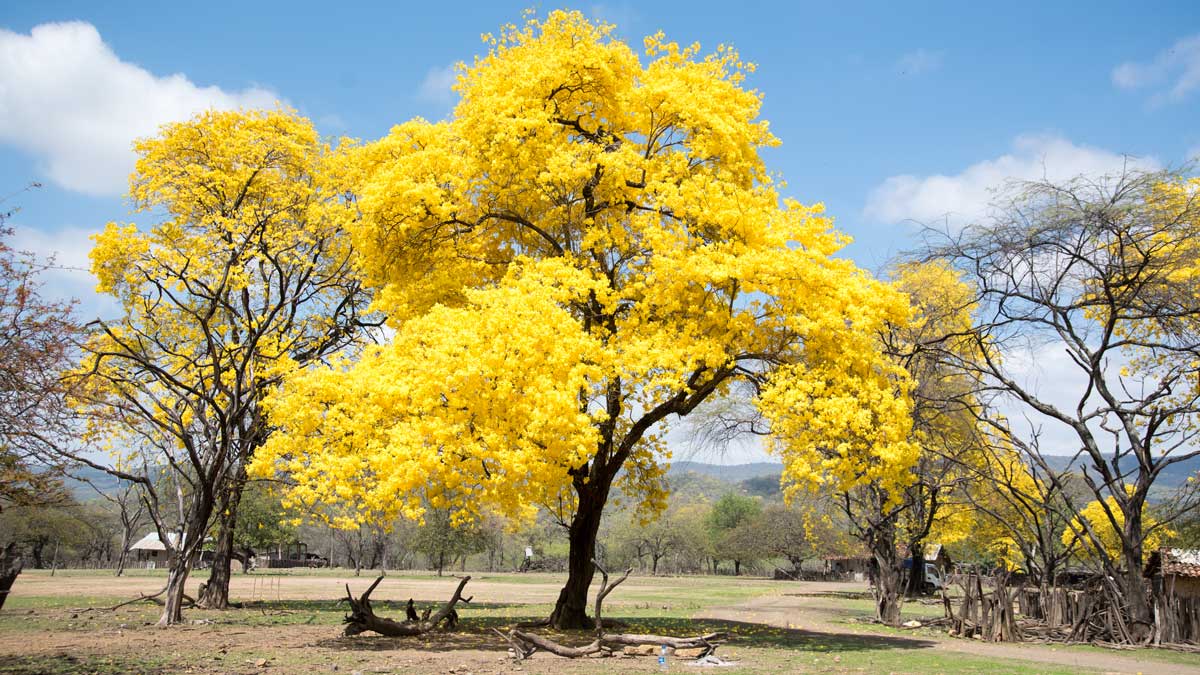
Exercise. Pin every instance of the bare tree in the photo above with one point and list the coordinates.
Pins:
(130, 511)
(1099, 272)
(36, 334)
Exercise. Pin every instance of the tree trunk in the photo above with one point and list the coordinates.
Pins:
(189, 539)
(737, 568)
(571, 609)
(1141, 613)
(124, 554)
(916, 576)
(363, 618)
(887, 574)
(35, 549)
(215, 594)
(10, 567)
(216, 590)
(174, 596)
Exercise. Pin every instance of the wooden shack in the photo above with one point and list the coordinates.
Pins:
(1175, 572)
(150, 550)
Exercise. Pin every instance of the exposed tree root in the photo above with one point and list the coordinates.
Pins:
(188, 601)
(526, 644)
(362, 618)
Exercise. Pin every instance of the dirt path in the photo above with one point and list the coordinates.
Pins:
(808, 607)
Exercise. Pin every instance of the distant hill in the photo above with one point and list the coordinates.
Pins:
(762, 478)
(1173, 476)
(79, 486)
(733, 473)
(713, 480)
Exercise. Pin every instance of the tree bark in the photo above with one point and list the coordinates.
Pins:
(10, 566)
(174, 596)
(183, 554)
(887, 573)
(216, 590)
(1137, 600)
(35, 549)
(570, 611)
(916, 575)
(126, 541)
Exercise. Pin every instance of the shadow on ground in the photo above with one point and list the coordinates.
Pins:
(389, 608)
(476, 633)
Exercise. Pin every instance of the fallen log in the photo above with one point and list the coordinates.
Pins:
(524, 644)
(362, 617)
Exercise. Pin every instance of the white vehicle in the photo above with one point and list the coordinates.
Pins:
(933, 577)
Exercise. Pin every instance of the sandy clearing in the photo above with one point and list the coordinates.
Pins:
(802, 607)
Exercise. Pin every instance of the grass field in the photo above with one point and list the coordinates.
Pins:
(290, 623)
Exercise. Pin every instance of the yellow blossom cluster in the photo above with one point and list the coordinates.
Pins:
(589, 247)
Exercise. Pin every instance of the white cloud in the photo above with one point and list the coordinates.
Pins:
(1177, 67)
(68, 100)
(961, 198)
(919, 62)
(437, 85)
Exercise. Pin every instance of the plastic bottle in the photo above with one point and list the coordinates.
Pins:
(662, 659)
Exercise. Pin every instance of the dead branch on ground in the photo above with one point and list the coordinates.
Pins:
(526, 644)
(362, 617)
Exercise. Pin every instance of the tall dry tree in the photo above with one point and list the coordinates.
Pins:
(35, 337)
(1098, 273)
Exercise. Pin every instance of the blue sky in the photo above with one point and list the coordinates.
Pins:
(889, 112)
(872, 101)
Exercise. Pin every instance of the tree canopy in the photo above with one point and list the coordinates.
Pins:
(590, 246)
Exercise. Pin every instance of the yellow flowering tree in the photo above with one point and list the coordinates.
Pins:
(590, 247)
(244, 276)
(1097, 530)
(887, 436)
(1022, 507)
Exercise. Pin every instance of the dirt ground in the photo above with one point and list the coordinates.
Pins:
(533, 588)
(290, 625)
(814, 609)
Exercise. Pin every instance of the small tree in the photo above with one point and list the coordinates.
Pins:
(246, 277)
(36, 335)
(730, 526)
(1023, 509)
(801, 531)
(444, 541)
(887, 437)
